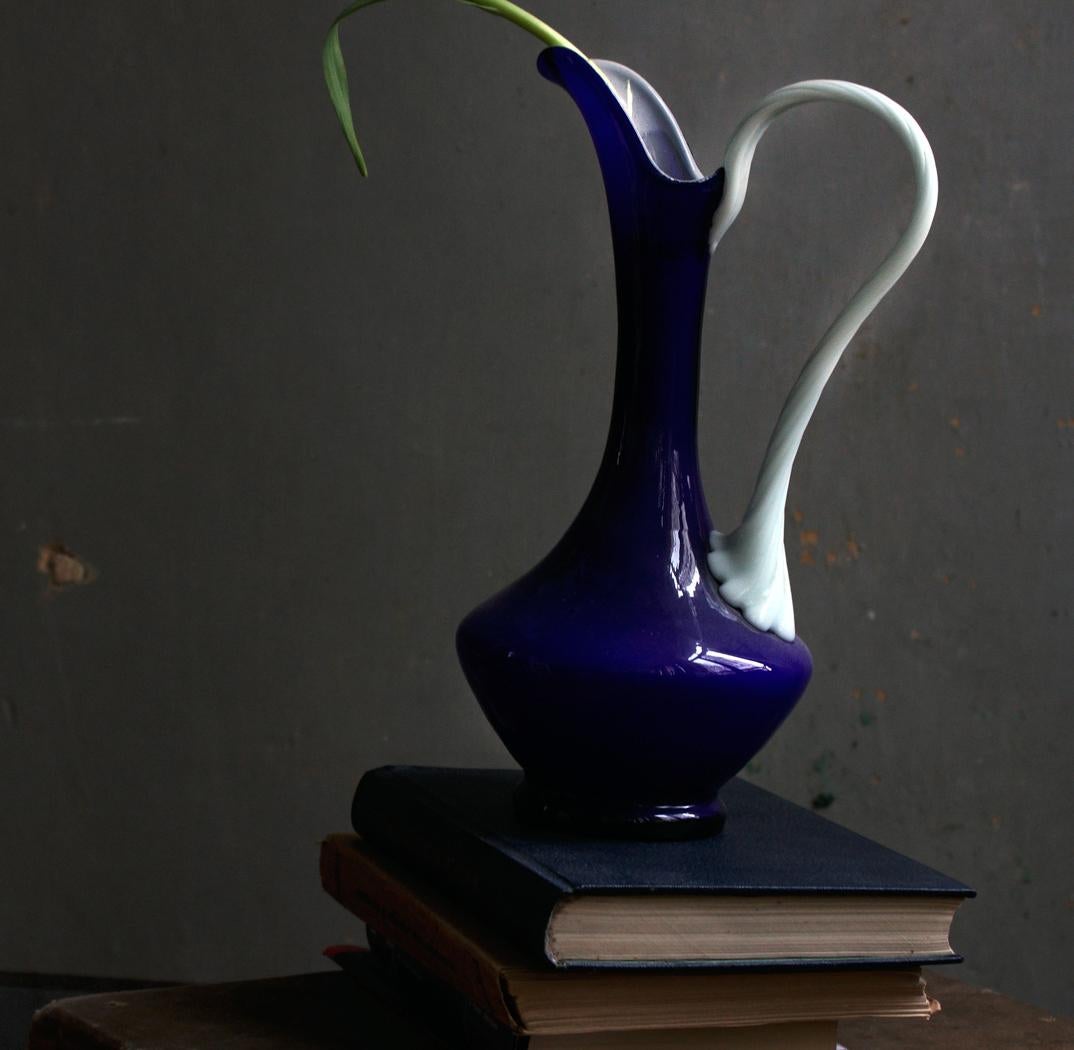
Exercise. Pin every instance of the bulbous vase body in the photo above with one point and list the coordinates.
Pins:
(627, 689)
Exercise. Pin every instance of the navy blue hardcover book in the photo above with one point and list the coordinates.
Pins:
(779, 886)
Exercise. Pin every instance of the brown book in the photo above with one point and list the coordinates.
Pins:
(451, 946)
(319, 1011)
(332, 1011)
(386, 973)
(807, 1035)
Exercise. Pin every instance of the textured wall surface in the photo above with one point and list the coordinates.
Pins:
(293, 426)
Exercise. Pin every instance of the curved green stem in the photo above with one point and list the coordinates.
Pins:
(335, 71)
(524, 20)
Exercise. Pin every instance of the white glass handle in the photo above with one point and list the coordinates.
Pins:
(750, 563)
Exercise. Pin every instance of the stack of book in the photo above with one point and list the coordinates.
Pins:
(763, 936)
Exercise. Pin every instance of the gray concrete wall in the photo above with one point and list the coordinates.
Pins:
(299, 424)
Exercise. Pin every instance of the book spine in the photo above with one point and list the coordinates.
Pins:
(399, 918)
(406, 987)
(469, 1026)
(390, 810)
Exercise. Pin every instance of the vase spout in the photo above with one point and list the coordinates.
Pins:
(653, 122)
(633, 129)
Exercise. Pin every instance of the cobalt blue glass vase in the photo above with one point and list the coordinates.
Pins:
(648, 657)
(627, 689)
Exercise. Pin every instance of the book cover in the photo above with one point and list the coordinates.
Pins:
(457, 827)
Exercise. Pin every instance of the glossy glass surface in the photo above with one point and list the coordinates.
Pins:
(624, 686)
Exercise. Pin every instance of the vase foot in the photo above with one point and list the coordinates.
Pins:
(562, 812)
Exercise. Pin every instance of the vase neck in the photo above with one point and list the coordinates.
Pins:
(661, 213)
(660, 292)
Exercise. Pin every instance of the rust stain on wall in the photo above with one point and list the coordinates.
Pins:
(63, 567)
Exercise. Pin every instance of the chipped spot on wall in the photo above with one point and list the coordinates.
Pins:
(63, 568)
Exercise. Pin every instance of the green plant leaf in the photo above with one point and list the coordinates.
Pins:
(335, 76)
(335, 70)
